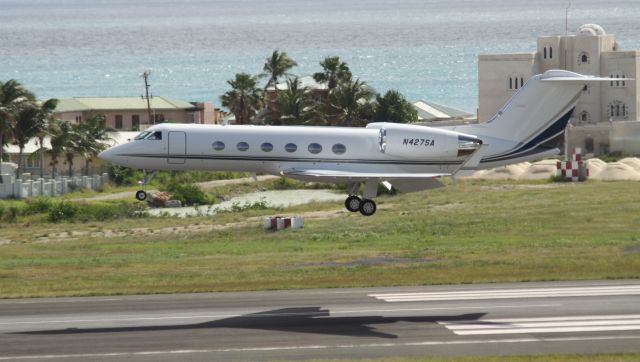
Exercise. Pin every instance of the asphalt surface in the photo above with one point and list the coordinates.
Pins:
(519, 318)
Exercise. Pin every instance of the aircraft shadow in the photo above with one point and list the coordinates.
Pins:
(301, 320)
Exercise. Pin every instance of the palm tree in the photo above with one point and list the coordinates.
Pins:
(394, 107)
(244, 98)
(62, 137)
(25, 126)
(45, 114)
(334, 71)
(93, 135)
(12, 95)
(349, 104)
(276, 66)
(296, 104)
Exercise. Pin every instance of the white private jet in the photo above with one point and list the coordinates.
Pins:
(407, 157)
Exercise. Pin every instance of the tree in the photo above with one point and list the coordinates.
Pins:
(296, 104)
(25, 126)
(277, 65)
(63, 137)
(45, 115)
(93, 135)
(334, 71)
(394, 107)
(12, 95)
(349, 104)
(244, 98)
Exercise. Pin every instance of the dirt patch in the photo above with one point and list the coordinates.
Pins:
(632, 249)
(524, 187)
(372, 261)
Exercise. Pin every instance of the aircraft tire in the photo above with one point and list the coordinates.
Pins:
(353, 203)
(367, 207)
(141, 195)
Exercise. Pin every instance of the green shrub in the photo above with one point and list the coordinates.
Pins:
(111, 211)
(257, 205)
(188, 194)
(12, 214)
(63, 210)
(38, 205)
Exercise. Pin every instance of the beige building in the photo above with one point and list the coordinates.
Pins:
(606, 116)
(130, 113)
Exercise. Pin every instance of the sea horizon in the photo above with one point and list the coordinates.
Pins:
(426, 49)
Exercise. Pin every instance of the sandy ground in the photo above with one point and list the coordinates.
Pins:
(625, 169)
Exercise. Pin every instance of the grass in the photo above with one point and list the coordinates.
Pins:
(474, 232)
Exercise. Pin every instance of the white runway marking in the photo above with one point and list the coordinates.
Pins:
(545, 325)
(510, 293)
(84, 356)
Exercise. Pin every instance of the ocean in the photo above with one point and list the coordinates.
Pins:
(426, 49)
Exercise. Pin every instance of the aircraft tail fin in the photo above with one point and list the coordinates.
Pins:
(535, 118)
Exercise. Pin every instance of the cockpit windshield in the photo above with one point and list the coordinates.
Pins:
(146, 135)
(142, 135)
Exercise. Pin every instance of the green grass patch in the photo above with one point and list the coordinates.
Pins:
(476, 231)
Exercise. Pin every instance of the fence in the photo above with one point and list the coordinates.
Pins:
(25, 187)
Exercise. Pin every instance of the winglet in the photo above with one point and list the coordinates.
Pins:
(470, 165)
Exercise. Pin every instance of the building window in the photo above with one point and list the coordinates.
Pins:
(266, 147)
(618, 110)
(516, 82)
(290, 147)
(118, 121)
(218, 145)
(315, 148)
(584, 117)
(78, 119)
(158, 118)
(583, 58)
(618, 83)
(547, 51)
(135, 122)
(242, 146)
(338, 149)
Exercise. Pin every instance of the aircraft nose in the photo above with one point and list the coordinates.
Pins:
(107, 155)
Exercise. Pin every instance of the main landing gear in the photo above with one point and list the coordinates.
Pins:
(141, 195)
(366, 206)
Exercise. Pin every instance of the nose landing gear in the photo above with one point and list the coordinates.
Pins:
(141, 195)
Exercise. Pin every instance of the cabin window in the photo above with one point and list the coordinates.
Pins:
(218, 145)
(290, 147)
(155, 136)
(338, 149)
(266, 147)
(142, 135)
(242, 146)
(118, 121)
(315, 148)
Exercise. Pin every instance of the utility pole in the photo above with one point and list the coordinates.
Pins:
(566, 18)
(145, 75)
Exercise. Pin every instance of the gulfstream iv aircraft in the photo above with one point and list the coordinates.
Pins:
(407, 157)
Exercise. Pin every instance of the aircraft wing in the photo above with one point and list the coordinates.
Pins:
(336, 175)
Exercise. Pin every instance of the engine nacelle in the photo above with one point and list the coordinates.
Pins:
(420, 142)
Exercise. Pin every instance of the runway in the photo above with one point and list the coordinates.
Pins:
(518, 318)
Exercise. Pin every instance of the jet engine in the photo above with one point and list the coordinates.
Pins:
(420, 142)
